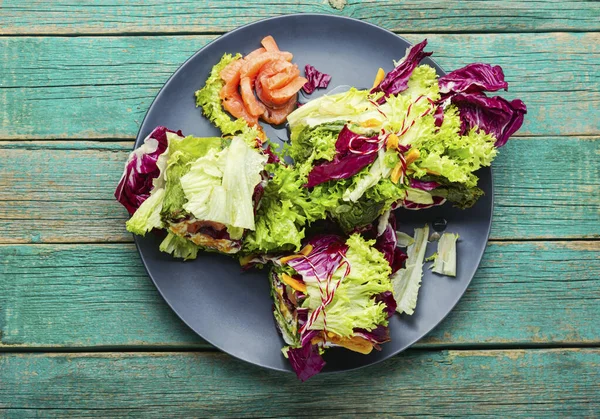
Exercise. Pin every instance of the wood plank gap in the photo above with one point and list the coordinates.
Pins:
(218, 33)
(130, 139)
(132, 349)
(490, 241)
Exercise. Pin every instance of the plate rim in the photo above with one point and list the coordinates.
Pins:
(139, 139)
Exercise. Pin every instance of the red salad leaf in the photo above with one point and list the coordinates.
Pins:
(494, 115)
(379, 335)
(387, 298)
(136, 183)
(306, 361)
(316, 79)
(420, 184)
(324, 259)
(354, 152)
(476, 77)
(465, 88)
(396, 81)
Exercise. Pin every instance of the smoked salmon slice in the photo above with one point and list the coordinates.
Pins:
(231, 76)
(282, 78)
(251, 67)
(254, 54)
(263, 84)
(278, 116)
(276, 97)
(235, 106)
(269, 43)
(254, 107)
(231, 70)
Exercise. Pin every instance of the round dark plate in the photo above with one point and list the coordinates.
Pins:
(231, 309)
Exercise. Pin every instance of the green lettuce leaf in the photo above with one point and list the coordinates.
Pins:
(353, 105)
(377, 171)
(452, 156)
(459, 194)
(182, 151)
(419, 196)
(219, 185)
(445, 258)
(279, 227)
(282, 213)
(314, 143)
(179, 247)
(147, 216)
(407, 281)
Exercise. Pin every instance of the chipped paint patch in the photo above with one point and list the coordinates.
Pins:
(337, 4)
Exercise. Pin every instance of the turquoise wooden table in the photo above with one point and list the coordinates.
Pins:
(83, 331)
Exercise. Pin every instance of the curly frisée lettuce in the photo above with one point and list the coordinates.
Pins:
(208, 99)
(332, 293)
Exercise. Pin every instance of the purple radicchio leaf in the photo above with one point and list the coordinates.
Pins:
(493, 115)
(327, 254)
(476, 77)
(465, 88)
(353, 153)
(316, 79)
(306, 361)
(396, 81)
(425, 186)
(136, 183)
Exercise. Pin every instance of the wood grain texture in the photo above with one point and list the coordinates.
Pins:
(101, 87)
(60, 191)
(137, 17)
(536, 383)
(69, 296)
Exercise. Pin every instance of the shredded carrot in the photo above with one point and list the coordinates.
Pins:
(294, 283)
(396, 173)
(412, 156)
(431, 172)
(286, 259)
(306, 250)
(355, 343)
(392, 142)
(370, 123)
(378, 78)
(244, 260)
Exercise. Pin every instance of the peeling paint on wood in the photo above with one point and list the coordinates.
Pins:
(103, 86)
(529, 295)
(533, 383)
(151, 16)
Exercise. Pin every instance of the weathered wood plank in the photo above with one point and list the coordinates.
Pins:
(506, 383)
(60, 191)
(138, 17)
(103, 85)
(66, 296)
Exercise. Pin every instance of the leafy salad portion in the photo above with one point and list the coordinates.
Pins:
(320, 212)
